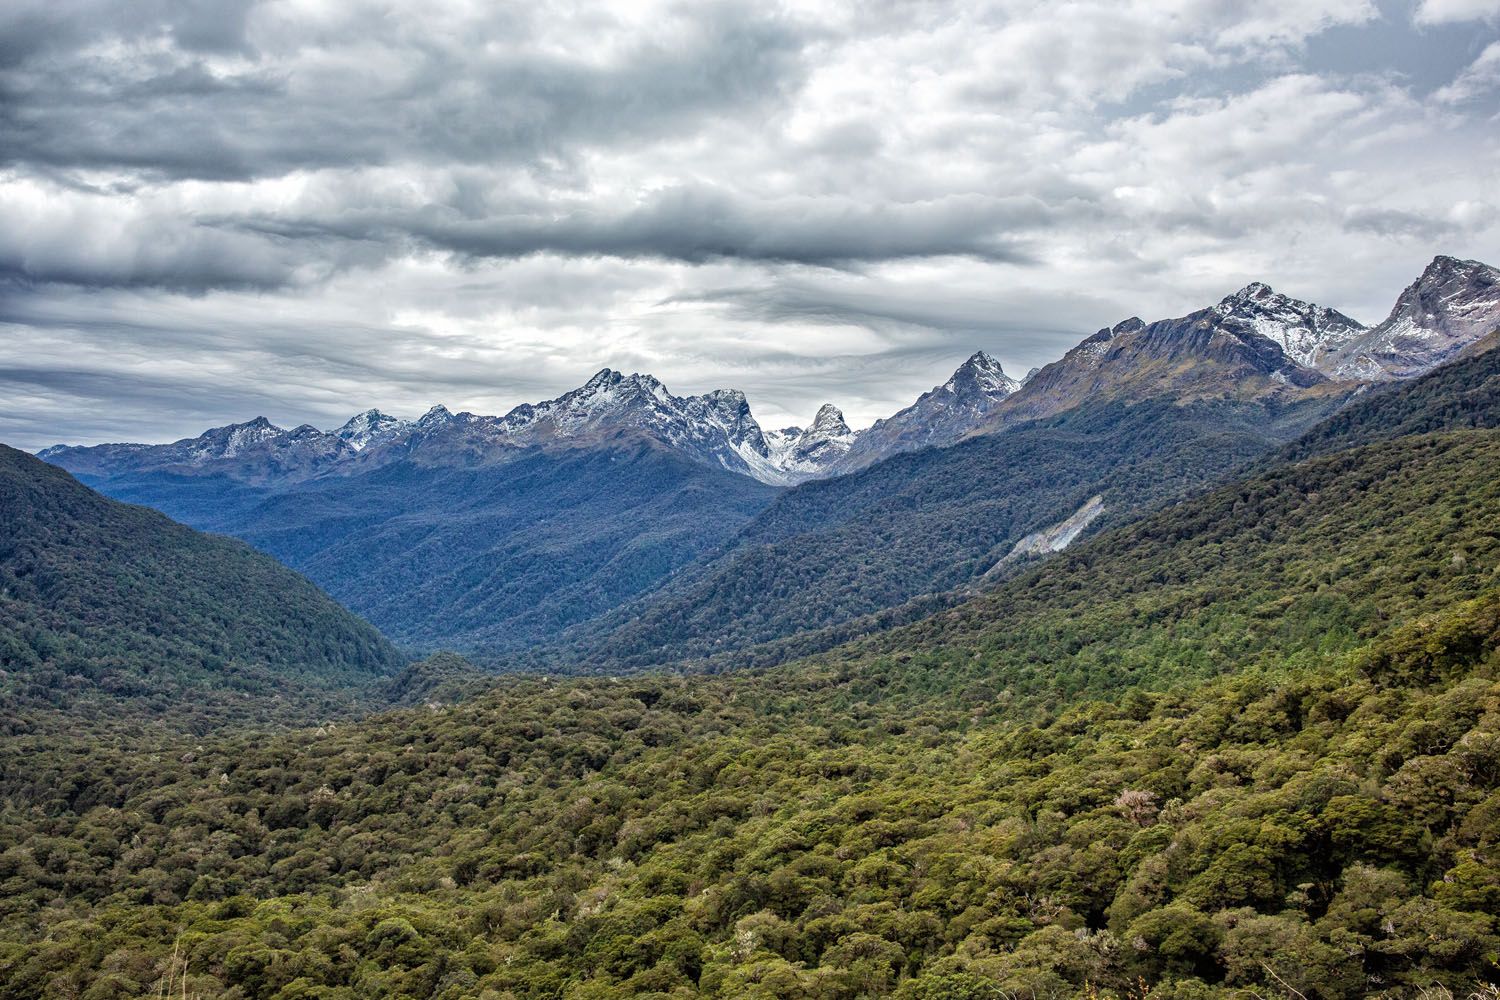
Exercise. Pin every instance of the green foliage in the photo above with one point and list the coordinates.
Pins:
(487, 558)
(811, 569)
(1284, 568)
(1250, 743)
(104, 605)
(681, 837)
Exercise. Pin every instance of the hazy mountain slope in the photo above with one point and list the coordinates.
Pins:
(484, 558)
(111, 608)
(946, 813)
(255, 451)
(830, 551)
(715, 429)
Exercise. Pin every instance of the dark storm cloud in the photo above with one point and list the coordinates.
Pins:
(698, 224)
(192, 263)
(1026, 325)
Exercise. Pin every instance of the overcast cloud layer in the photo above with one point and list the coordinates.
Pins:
(214, 209)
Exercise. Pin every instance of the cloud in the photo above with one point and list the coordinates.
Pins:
(1478, 79)
(55, 235)
(173, 91)
(698, 224)
(1456, 11)
(211, 209)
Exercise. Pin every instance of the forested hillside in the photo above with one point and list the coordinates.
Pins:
(1301, 561)
(114, 611)
(1249, 742)
(1461, 394)
(483, 558)
(829, 552)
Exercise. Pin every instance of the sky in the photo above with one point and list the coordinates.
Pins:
(217, 209)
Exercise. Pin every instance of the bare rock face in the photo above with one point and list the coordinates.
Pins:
(1453, 304)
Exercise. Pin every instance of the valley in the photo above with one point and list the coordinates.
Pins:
(1191, 684)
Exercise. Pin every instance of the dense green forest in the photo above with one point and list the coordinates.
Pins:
(113, 611)
(833, 551)
(490, 557)
(1461, 394)
(954, 503)
(1251, 742)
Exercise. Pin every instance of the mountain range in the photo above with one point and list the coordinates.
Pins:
(1253, 343)
(621, 524)
(1241, 742)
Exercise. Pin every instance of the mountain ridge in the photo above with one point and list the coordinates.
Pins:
(1253, 343)
(1453, 303)
(940, 416)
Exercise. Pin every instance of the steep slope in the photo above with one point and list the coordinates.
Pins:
(483, 558)
(1037, 794)
(1304, 558)
(109, 608)
(833, 550)
(1460, 394)
(940, 416)
(1454, 303)
(1219, 353)
(1305, 332)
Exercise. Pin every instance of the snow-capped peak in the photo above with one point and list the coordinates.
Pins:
(802, 453)
(603, 378)
(609, 383)
(1454, 303)
(609, 398)
(364, 429)
(825, 439)
(940, 416)
(728, 410)
(228, 441)
(828, 422)
(981, 374)
(1443, 268)
(435, 417)
(1305, 332)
